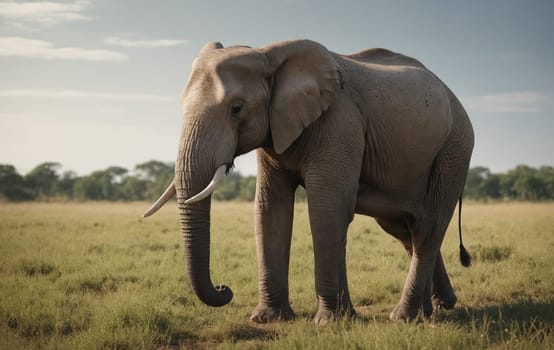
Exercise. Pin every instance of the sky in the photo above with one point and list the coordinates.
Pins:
(95, 83)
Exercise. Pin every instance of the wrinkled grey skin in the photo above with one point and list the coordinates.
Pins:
(373, 133)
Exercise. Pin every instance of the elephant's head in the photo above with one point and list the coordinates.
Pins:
(238, 99)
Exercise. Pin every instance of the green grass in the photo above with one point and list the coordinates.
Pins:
(96, 275)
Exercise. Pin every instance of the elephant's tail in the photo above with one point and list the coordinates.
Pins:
(465, 258)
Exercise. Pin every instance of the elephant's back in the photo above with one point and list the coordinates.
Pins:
(385, 57)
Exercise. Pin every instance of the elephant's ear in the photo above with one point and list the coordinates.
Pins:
(305, 80)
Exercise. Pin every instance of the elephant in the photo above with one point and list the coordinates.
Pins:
(372, 133)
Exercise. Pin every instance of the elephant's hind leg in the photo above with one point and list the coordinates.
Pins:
(399, 229)
(416, 294)
(445, 186)
(443, 296)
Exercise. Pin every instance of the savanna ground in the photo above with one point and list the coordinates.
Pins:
(96, 275)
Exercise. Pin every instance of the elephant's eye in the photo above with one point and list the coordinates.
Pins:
(236, 108)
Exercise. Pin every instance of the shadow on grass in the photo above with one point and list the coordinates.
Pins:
(362, 315)
(235, 334)
(522, 311)
(251, 332)
(524, 315)
(526, 318)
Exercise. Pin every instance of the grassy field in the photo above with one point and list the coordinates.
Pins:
(96, 275)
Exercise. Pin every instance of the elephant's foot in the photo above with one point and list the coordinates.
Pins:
(427, 303)
(265, 313)
(403, 312)
(427, 307)
(406, 312)
(443, 294)
(444, 301)
(325, 315)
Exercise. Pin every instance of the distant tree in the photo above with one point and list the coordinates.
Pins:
(43, 179)
(132, 188)
(158, 176)
(116, 173)
(229, 187)
(65, 184)
(153, 169)
(247, 189)
(475, 178)
(100, 185)
(88, 188)
(490, 187)
(507, 181)
(525, 183)
(113, 178)
(546, 174)
(12, 185)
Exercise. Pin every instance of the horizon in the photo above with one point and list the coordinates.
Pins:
(91, 84)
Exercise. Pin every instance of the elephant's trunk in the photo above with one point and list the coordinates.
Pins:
(195, 224)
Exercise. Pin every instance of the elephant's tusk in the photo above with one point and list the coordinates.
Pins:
(169, 192)
(218, 176)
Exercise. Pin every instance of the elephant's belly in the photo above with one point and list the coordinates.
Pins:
(378, 204)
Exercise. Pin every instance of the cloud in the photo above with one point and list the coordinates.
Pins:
(21, 14)
(78, 94)
(31, 48)
(123, 42)
(511, 102)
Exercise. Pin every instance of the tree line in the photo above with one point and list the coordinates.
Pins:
(521, 183)
(148, 180)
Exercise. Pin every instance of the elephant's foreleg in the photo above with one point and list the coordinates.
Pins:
(331, 212)
(330, 270)
(274, 207)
